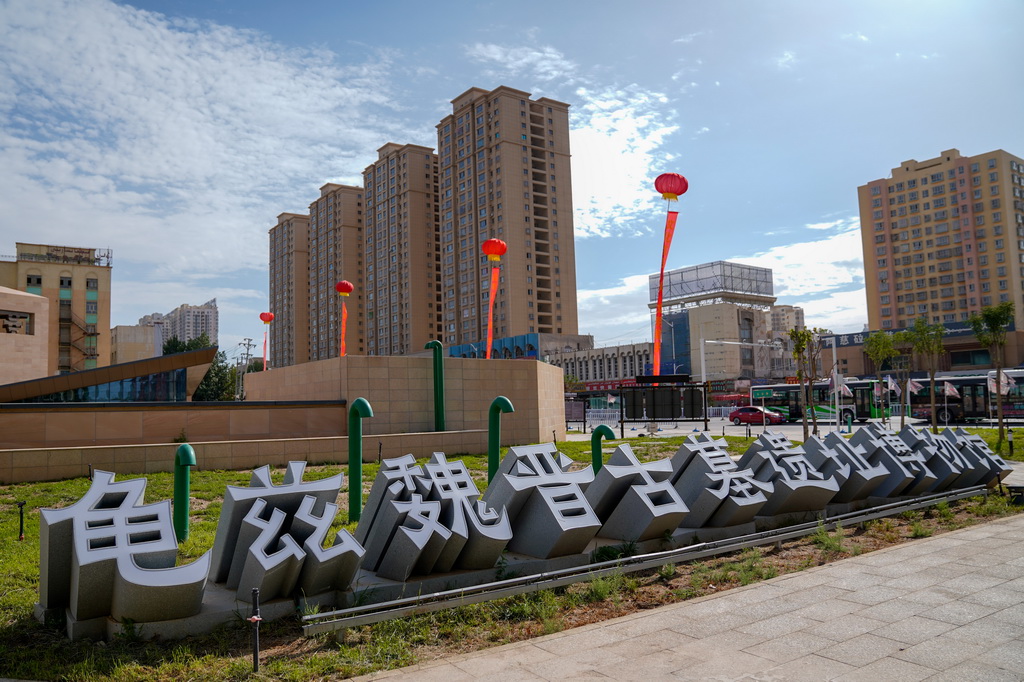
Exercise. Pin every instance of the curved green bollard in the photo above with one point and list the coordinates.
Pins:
(500, 404)
(438, 350)
(360, 409)
(184, 458)
(595, 445)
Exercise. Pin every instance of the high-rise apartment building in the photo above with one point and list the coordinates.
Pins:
(186, 322)
(289, 290)
(944, 238)
(335, 254)
(411, 241)
(402, 251)
(503, 163)
(76, 281)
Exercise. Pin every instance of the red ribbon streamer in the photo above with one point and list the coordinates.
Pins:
(670, 228)
(490, 311)
(264, 350)
(344, 323)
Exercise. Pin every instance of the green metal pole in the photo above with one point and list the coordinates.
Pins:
(438, 350)
(184, 458)
(595, 445)
(500, 404)
(360, 409)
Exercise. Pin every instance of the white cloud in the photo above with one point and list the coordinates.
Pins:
(842, 311)
(543, 63)
(815, 268)
(842, 224)
(786, 61)
(178, 142)
(616, 314)
(689, 37)
(856, 36)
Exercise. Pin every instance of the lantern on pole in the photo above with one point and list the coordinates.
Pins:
(671, 185)
(494, 249)
(344, 288)
(267, 318)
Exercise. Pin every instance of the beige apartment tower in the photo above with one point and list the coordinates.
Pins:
(289, 290)
(402, 251)
(944, 238)
(335, 254)
(504, 172)
(76, 281)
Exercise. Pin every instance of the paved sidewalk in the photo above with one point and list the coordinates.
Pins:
(949, 607)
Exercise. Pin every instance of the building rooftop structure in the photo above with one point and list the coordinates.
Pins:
(716, 282)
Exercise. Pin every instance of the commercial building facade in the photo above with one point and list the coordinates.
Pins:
(24, 336)
(76, 282)
(944, 238)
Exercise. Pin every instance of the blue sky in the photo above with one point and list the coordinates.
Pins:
(175, 132)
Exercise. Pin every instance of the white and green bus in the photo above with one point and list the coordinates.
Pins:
(861, 406)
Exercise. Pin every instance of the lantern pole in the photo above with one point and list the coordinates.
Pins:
(494, 249)
(671, 185)
(344, 288)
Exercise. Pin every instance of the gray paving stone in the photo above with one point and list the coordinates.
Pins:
(1009, 656)
(493, 661)
(972, 670)
(861, 650)
(940, 652)
(775, 627)
(894, 610)
(959, 612)
(829, 609)
(998, 597)
(811, 668)
(888, 670)
(913, 630)
(575, 641)
(1013, 615)
(708, 626)
(789, 646)
(578, 664)
(933, 596)
(846, 627)
(654, 666)
(875, 595)
(732, 665)
(988, 631)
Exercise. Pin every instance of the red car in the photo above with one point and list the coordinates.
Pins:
(755, 415)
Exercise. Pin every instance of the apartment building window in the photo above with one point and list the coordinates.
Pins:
(65, 282)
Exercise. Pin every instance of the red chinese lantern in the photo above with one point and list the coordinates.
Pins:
(494, 249)
(267, 317)
(671, 185)
(344, 287)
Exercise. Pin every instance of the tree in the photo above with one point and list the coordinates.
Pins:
(572, 384)
(218, 384)
(926, 341)
(990, 329)
(904, 345)
(801, 338)
(880, 350)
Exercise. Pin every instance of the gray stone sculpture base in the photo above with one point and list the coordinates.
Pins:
(219, 608)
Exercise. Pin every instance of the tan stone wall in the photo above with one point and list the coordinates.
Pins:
(86, 425)
(400, 391)
(51, 464)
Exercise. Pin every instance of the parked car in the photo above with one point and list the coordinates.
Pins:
(755, 415)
